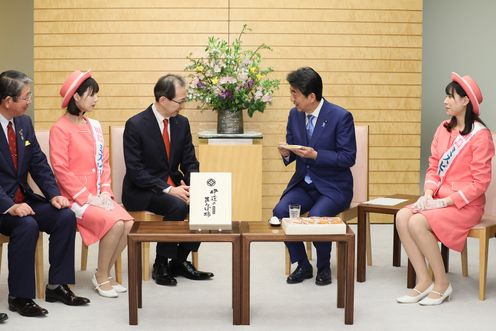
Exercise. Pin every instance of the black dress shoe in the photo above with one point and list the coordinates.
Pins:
(188, 270)
(64, 294)
(3, 317)
(323, 277)
(26, 307)
(161, 274)
(300, 274)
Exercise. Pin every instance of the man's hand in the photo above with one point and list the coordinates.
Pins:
(283, 151)
(306, 152)
(181, 192)
(21, 210)
(60, 202)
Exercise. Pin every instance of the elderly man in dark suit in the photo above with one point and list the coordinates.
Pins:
(322, 183)
(23, 214)
(160, 157)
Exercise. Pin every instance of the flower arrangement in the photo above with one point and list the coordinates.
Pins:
(230, 78)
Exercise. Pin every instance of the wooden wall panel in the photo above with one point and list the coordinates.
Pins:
(369, 54)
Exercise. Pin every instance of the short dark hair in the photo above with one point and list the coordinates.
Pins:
(307, 81)
(90, 85)
(11, 84)
(166, 86)
(470, 116)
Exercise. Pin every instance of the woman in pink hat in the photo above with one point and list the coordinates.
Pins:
(79, 159)
(458, 175)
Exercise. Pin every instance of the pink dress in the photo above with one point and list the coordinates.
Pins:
(72, 156)
(465, 182)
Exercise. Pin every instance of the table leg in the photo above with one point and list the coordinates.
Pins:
(350, 281)
(340, 246)
(132, 280)
(411, 276)
(139, 274)
(396, 245)
(245, 281)
(236, 281)
(445, 256)
(361, 238)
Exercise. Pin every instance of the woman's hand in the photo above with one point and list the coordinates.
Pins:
(107, 201)
(100, 201)
(422, 202)
(436, 204)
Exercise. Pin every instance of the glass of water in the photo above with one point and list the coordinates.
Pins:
(294, 210)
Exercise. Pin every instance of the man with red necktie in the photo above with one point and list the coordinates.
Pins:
(23, 214)
(160, 156)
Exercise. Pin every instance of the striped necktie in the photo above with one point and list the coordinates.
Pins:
(310, 127)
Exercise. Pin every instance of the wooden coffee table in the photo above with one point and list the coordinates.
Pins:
(178, 232)
(261, 231)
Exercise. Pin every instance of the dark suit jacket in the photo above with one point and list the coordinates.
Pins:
(31, 160)
(334, 140)
(147, 167)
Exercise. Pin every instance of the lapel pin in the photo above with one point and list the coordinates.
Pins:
(324, 123)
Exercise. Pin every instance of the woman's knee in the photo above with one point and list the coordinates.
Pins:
(118, 227)
(418, 224)
(402, 218)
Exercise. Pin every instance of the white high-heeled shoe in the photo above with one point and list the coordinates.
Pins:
(104, 293)
(417, 298)
(118, 287)
(443, 296)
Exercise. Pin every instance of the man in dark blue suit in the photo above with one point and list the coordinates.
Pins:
(322, 183)
(23, 213)
(160, 156)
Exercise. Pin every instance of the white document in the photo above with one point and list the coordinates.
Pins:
(210, 201)
(385, 201)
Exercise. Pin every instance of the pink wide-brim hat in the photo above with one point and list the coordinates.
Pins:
(71, 84)
(470, 87)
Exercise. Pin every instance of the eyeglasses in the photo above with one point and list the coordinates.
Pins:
(27, 98)
(181, 102)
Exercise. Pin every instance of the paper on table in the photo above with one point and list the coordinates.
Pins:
(385, 201)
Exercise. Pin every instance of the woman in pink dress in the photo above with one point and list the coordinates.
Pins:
(80, 162)
(458, 175)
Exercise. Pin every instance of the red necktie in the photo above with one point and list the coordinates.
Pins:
(19, 196)
(165, 135)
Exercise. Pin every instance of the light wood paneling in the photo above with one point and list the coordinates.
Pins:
(245, 164)
(369, 54)
(151, 5)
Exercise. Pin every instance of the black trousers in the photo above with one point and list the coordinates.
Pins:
(173, 209)
(60, 224)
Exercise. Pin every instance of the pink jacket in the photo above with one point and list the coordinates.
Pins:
(468, 177)
(72, 154)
